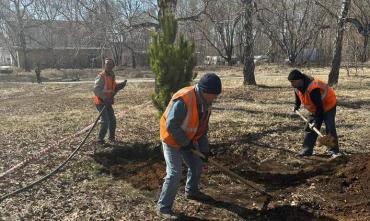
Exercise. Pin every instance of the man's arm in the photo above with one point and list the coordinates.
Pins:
(203, 144)
(174, 120)
(297, 102)
(99, 87)
(120, 86)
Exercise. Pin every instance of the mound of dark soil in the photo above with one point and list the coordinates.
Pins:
(349, 186)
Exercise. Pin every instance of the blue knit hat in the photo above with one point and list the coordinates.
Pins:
(210, 83)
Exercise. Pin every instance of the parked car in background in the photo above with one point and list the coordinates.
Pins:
(258, 59)
(6, 69)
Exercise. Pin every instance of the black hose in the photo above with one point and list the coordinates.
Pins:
(56, 169)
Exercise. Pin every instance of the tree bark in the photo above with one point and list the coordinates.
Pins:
(364, 49)
(21, 36)
(363, 29)
(335, 66)
(133, 58)
(248, 70)
(166, 6)
(23, 47)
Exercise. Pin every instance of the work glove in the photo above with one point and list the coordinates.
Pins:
(311, 121)
(120, 86)
(108, 101)
(194, 146)
(205, 153)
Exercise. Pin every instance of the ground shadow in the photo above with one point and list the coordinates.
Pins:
(111, 155)
(141, 165)
(278, 179)
(275, 178)
(353, 104)
(278, 213)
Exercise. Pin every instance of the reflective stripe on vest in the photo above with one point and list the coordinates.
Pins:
(327, 96)
(185, 123)
(190, 123)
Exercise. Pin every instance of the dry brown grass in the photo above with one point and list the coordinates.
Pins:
(251, 128)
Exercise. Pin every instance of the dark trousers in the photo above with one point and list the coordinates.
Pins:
(107, 121)
(38, 78)
(310, 136)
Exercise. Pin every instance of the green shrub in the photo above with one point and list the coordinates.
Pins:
(172, 63)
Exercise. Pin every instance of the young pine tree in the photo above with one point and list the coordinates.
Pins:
(171, 63)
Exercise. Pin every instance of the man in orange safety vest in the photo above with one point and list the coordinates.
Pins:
(320, 100)
(104, 91)
(184, 126)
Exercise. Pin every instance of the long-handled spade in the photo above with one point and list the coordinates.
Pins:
(326, 140)
(250, 184)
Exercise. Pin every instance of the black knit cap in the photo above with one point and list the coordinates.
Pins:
(210, 83)
(295, 75)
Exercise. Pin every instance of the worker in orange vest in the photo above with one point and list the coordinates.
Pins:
(320, 100)
(38, 73)
(184, 126)
(104, 91)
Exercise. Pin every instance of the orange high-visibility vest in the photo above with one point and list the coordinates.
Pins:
(327, 96)
(109, 88)
(191, 126)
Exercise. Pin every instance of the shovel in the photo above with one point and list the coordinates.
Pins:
(250, 184)
(325, 140)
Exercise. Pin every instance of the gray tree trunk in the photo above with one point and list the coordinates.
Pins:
(248, 70)
(364, 49)
(133, 58)
(21, 36)
(335, 65)
(166, 6)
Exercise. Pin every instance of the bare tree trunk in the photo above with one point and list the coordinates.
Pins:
(22, 40)
(133, 58)
(21, 36)
(229, 56)
(248, 70)
(166, 6)
(272, 52)
(364, 49)
(335, 65)
(363, 29)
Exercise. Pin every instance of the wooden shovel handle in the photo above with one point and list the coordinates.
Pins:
(232, 174)
(310, 125)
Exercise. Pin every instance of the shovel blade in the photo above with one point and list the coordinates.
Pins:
(327, 140)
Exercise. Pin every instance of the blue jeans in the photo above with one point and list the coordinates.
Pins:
(310, 136)
(107, 121)
(173, 160)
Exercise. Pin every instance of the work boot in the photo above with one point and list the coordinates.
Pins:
(199, 196)
(305, 152)
(112, 142)
(100, 142)
(334, 152)
(169, 216)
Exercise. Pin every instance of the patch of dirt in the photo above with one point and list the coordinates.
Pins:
(140, 165)
(349, 188)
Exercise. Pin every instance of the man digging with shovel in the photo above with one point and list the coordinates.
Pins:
(320, 100)
(184, 126)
